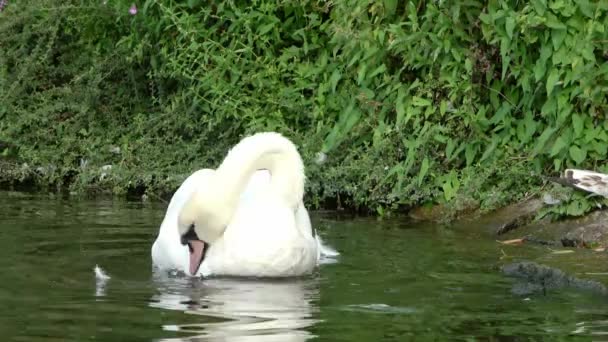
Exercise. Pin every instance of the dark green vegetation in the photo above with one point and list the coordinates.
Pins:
(414, 102)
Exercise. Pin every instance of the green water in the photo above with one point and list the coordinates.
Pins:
(395, 281)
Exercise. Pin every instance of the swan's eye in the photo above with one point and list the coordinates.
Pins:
(189, 235)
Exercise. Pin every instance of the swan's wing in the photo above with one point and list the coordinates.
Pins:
(326, 254)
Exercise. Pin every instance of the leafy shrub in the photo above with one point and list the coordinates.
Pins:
(411, 101)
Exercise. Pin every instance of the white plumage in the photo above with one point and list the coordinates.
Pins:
(249, 212)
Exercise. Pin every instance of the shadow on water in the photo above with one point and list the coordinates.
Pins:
(394, 281)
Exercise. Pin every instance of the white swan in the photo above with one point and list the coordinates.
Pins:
(247, 218)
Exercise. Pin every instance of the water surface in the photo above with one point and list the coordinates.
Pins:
(394, 281)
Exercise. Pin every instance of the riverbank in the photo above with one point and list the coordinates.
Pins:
(393, 105)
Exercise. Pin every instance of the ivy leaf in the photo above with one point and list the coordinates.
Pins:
(554, 23)
(578, 124)
(540, 6)
(577, 154)
(557, 38)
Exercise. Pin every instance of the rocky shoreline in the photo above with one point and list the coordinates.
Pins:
(543, 254)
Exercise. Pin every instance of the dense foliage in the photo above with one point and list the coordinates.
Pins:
(464, 102)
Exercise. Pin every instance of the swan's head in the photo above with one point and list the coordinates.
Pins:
(201, 221)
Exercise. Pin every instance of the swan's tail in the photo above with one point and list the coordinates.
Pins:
(326, 254)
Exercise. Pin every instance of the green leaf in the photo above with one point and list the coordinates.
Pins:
(490, 149)
(378, 70)
(390, 7)
(468, 65)
(554, 23)
(424, 168)
(549, 107)
(552, 80)
(334, 79)
(530, 125)
(557, 38)
(420, 102)
(539, 69)
(540, 6)
(578, 124)
(576, 208)
(469, 153)
(400, 106)
(541, 64)
(449, 148)
(599, 147)
(192, 3)
(557, 164)
(558, 146)
(262, 30)
(361, 74)
(485, 18)
(510, 26)
(505, 45)
(443, 107)
(587, 52)
(585, 8)
(577, 154)
(542, 140)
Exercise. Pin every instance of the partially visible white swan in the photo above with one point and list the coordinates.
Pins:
(247, 218)
(590, 181)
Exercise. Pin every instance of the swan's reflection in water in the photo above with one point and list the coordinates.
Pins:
(240, 309)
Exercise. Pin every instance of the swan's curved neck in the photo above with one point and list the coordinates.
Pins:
(269, 151)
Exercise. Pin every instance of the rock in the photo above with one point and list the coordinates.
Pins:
(588, 231)
(463, 209)
(540, 278)
(427, 212)
(512, 217)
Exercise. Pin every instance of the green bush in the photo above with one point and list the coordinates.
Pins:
(412, 102)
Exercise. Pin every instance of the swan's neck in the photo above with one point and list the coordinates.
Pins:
(269, 151)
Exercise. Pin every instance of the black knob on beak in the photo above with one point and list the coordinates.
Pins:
(189, 235)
